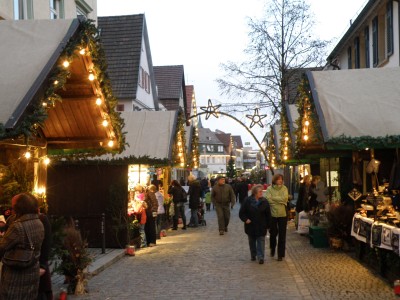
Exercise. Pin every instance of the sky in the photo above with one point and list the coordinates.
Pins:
(203, 34)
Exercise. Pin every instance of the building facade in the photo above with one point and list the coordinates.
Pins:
(45, 9)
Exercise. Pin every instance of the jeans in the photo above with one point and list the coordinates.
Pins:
(194, 218)
(160, 224)
(142, 236)
(257, 246)
(278, 228)
(179, 211)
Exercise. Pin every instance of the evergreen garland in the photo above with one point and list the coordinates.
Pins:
(194, 154)
(315, 134)
(284, 132)
(86, 37)
(180, 132)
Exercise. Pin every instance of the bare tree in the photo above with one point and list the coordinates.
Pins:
(280, 44)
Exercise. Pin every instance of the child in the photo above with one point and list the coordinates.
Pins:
(207, 197)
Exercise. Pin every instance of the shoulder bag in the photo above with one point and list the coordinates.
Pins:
(20, 258)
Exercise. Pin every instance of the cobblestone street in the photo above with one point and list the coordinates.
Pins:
(200, 264)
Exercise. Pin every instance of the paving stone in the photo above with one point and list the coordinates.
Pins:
(200, 264)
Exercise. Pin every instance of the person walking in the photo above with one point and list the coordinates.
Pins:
(223, 198)
(242, 189)
(26, 228)
(277, 196)
(175, 190)
(151, 215)
(194, 200)
(303, 197)
(256, 215)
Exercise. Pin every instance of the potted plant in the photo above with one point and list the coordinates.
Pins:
(73, 259)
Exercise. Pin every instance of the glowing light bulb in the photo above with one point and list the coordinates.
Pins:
(286, 138)
(55, 82)
(182, 164)
(105, 123)
(305, 137)
(66, 63)
(91, 76)
(27, 155)
(82, 51)
(44, 104)
(307, 123)
(285, 157)
(98, 101)
(179, 143)
(110, 143)
(46, 161)
(180, 154)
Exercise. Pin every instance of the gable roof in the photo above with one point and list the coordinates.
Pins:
(238, 140)
(225, 138)
(189, 97)
(29, 51)
(170, 81)
(121, 37)
(33, 79)
(206, 136)
(358, 103)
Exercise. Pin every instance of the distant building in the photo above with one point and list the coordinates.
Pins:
(213, 157)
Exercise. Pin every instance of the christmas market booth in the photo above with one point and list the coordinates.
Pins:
(54, 95)
(155, 144)
(56, 103)
(349, 119)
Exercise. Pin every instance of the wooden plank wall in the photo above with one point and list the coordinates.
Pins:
(83, 192)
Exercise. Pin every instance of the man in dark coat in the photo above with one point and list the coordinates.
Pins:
(194, 200)
(223, 197)
(242, 189)
(256, 215)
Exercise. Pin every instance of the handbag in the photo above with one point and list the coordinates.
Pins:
(20, 258)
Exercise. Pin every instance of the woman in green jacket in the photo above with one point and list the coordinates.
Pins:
(277, 196)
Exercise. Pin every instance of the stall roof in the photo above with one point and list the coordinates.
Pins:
(360, 104)
(149, 133)
(28, 52)
(30, 60)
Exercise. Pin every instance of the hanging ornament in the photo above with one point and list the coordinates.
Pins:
(256, 118)
(211, 109)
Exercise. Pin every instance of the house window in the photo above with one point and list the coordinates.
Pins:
(202, 160)
(389, 28)
(375, 41)
(349, 61)
(220, 148)
(213, 160)
(357, 53)
(23, 9)
(144, 80)
(120, 107)
(366, 40)
(56, 9)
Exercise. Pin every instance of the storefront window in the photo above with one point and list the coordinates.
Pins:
(137, 174)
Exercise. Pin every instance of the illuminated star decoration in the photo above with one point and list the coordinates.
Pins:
(211, 109)
(256, 118)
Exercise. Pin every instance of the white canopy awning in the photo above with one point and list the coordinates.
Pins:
(357, 103)
(28, 50)
(149, 133)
